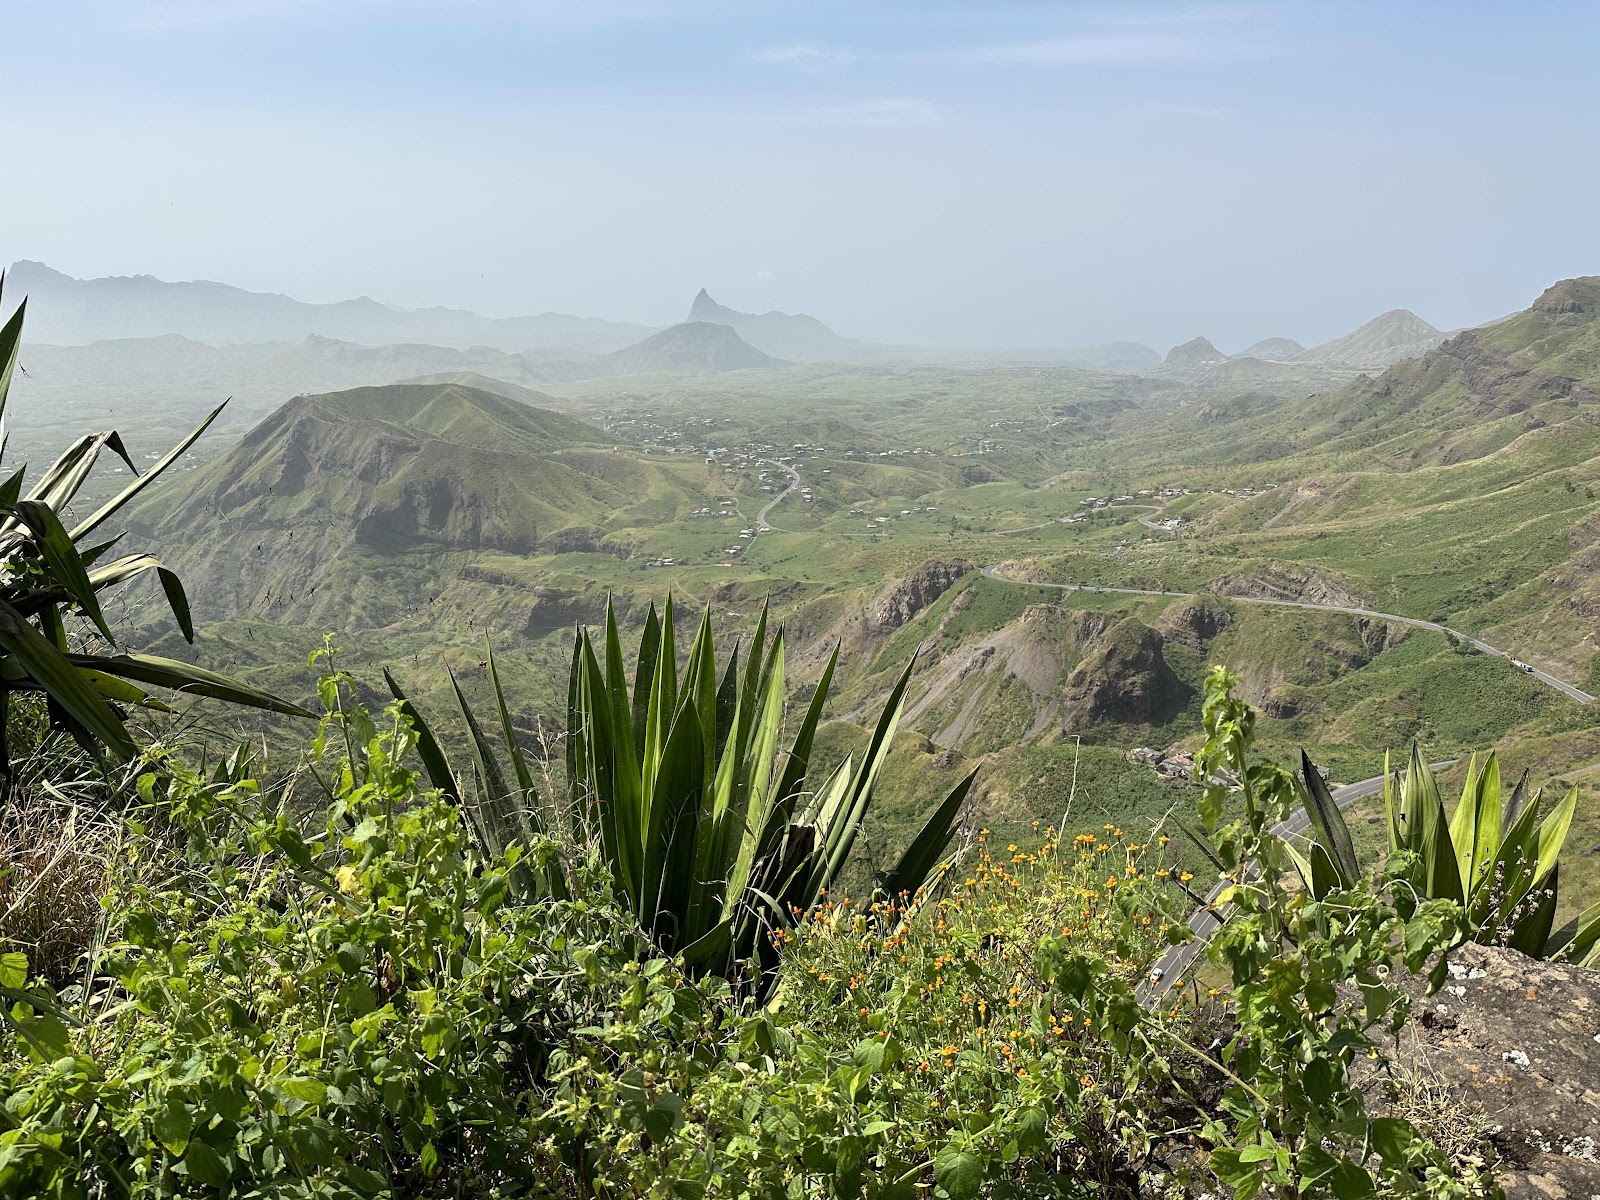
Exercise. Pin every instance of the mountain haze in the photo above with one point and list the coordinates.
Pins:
(1386, 339)
(698, 347)
(67, 311)
(783, 335)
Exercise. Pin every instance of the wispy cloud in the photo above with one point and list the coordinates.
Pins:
(1095, 49)
(805, 56)
(898, 112)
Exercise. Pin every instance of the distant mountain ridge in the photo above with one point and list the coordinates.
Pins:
(67, 311)
(793, 336)
(1273, 349)
(1386, 339)
(1196, 352)
(699, 347)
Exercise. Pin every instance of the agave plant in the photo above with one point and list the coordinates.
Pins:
(48, 573)
(714, 834)
(1497, 855)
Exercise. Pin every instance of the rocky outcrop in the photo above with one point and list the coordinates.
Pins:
(1194, 623)
(1196, 352)
(1288, 583)
(904, 599)
(1515, 1038)
(1124, 680)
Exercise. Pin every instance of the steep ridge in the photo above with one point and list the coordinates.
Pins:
(1386, 339)
(332, 492)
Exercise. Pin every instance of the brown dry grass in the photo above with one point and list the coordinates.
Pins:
(55, 859)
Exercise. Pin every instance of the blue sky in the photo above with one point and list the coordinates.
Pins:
(976, 173)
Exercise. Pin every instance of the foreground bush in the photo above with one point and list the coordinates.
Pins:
(357, 1007)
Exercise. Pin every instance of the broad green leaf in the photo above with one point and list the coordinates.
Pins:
(61, 680)
(1553, 834)
(1328, 823)
(920, 858)
(10, 339)
(61, 559)
(958, 1172)
(434, 762)
(187, 678)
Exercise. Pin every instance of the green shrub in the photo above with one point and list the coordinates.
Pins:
(358, 1005)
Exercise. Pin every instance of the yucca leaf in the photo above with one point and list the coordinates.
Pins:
(11, 490)
(1201, 842)
(1531, 933)
(630, 788)
(10, 339)
(644, 677)
(798, 760)
(1441, 877)
(187, 678)
(519, 762)
(676, 810)
(61, 559)
(1579, 937)
(1391, 804)
(1511, 876)
(1464, 824)
(747, 809)
(728, 702)
(839, 829)
(58, 485)
(110, 507)
(434, 762)
(59, 678)
(1328, 824)
(1302, 866)
(917, 862)
(618, 824)
(1553, 834)
(1477, 835)
(496, 816)
(125, 569)
(577, 752)
(120, 691)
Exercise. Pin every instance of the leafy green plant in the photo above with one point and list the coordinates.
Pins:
(1497, 855)
(48, 573)
(715, 835)
(1312, 982)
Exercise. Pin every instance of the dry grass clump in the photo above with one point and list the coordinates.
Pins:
(55, 860)
(1418, 1093)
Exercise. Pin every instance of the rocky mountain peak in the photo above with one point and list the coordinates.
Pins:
(1193, 353)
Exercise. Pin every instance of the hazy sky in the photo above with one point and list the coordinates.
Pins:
(980, 172)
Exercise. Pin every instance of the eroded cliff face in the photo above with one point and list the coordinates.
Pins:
(1515, 1039)
(1289, 583)
(1124, 679)
(904, 599)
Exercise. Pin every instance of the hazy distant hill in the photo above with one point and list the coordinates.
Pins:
(1196, 352)
(698, 347)
(783, 335)
(1274, 349)
(1396, 335)
(67, 311)
(1477, 391)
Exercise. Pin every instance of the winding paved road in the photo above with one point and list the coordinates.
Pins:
(794, 482)
(1544, 677)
